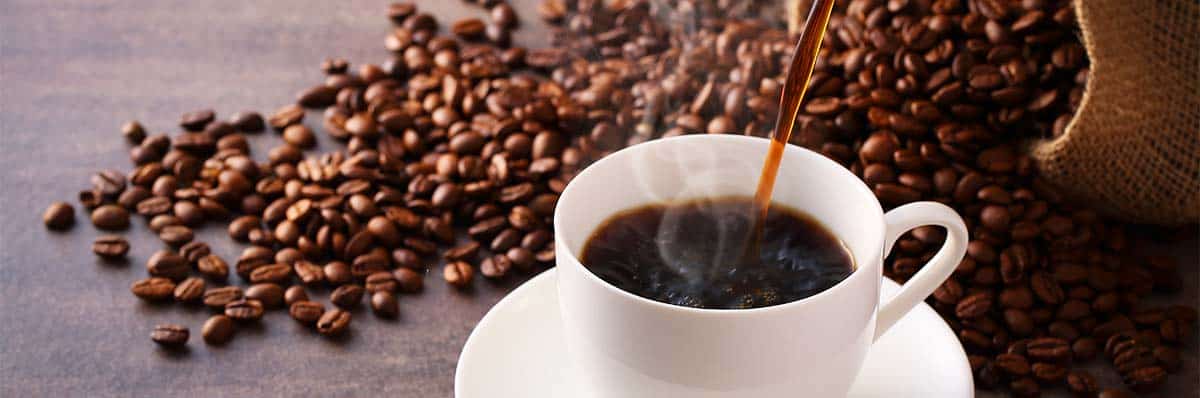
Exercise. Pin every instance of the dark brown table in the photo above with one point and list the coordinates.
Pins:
(71, 72)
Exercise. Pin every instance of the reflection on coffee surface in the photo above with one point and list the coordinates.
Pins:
(700, 254)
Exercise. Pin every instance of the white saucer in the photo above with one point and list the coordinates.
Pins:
(517, 350)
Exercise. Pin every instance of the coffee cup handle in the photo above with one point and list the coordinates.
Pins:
(901, 220)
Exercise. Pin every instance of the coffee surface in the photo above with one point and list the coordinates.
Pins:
(698, 254)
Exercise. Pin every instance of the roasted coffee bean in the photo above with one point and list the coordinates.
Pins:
(407, 280)
(306, 312)
(167, 264)
(176, 235)
(269, 294)
(190, 290)
(59, 216)
(1049, 349)
(109, 183)
(495, 266)
(273, 273)
(194, 251)
(110, 247)
(294, 294)
(110, 217)
(468, 29)
(133, 132)
(347, 296)
(170, 335)
(458, 274)
(154, 206)
(219, 297)
(381, 281)
(196, 120)
(153, 289)
(244, 309)
(308, 272)
(384, 304)
(333, 322)
(247, 121)
(213, 266)
(217, 330)
(337, 272)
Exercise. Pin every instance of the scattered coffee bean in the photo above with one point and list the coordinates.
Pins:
(190, 290)
(407, 280)
(244, 309)
(59, 215)
(110, 217)
(347, 296)
(294, 293)
(167, 264)
(333, 322)
(384, 304)
(153, 289)
(269, 294)
(306, 312)
(458, 274)
(133, 132)
(213, 266)
(217, 330)
(110, 246)
(218, 298)
(170, 335)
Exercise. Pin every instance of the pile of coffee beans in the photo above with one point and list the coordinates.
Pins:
(455, 154)
(924, 100)
(448, 156)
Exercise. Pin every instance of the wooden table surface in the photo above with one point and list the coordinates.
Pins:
(71, 72)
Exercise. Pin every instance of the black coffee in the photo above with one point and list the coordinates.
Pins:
(699, 254)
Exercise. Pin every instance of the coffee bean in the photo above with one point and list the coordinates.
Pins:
(218, 298)
(244, 309)
(109, 183)
(196, 120)
(269, 294)
(110, 247)
(299, 136)
(167, 264)
(381, 281)
(407, 280)
(468, 29)
(286, 116)
(247, 121)
(170, 335)
(1049, 349)
(176, 235)
(153, 289)
(337, 272)
(190, 290)
(306, 312)
(383, 304)
(133, 132)
(273, 273)
(458, 274)
(213, 266)
(59, 216)
(503, 15)
(110, 217)
(318, 96)
(309, 273)
(217, 330)
(294, 294)
(347, 296)
(333, 322)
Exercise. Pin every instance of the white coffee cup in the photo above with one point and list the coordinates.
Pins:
(624, 345)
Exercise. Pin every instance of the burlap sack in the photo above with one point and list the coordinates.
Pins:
(1133, 148)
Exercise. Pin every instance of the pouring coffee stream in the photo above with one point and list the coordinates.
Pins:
(804, 60)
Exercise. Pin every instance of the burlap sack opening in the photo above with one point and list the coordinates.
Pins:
(1133, 148)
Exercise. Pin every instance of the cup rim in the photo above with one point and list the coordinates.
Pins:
(876, 246)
